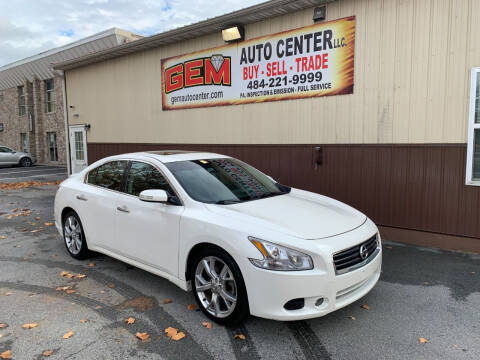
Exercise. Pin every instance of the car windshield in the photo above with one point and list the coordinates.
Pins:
(224, 181)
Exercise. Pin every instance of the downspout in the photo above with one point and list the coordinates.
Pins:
(65, 119)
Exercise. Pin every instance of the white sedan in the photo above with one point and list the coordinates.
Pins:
(242, 242)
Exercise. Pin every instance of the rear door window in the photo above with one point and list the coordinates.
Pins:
(109, 175)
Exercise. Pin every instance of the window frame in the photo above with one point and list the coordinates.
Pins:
(472, 126)
(52, 102)
(22, 108)
(49, 133)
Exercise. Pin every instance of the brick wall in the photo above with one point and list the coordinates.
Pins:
(14, 125)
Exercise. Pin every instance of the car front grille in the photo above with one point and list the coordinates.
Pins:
(351, 258)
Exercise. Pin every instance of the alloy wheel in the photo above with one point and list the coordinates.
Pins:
(216, 287)
(73, 235)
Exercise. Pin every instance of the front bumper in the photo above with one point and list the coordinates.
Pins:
(269, 291)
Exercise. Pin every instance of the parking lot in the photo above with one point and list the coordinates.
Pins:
(34, 173)
(423, 293)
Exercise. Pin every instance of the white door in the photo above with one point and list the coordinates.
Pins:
(147, 232)
(78, 148)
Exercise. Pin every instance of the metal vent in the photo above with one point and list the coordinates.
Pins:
(356, 256)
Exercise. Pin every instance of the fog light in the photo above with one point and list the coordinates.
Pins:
(319, 302)
(295, 304)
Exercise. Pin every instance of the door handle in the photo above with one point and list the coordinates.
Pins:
(123, 209)
(82, 197)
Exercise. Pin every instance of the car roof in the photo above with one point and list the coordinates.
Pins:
(167, 156)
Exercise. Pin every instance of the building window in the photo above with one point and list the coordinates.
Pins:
(473, 152)
(22, 108)
(49, 96)
(79, 154)
(52, 146)
(23, 142)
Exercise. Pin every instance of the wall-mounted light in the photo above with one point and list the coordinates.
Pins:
(233, 33)
(320, 13)
(88, 126)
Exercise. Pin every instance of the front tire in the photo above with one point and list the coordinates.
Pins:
(218, 287)
(74, 236)
(26, 162)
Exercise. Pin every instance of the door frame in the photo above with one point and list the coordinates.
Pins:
(83, 128)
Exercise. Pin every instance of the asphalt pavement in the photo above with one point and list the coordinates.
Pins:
(422, 293)
(33, 173)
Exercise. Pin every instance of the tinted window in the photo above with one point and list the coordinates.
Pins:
(5, 149)
(109, 175)
(142, 176)
(224, 181)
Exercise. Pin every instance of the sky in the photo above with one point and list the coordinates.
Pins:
(28, 27)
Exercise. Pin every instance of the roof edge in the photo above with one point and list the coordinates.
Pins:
(100, 35)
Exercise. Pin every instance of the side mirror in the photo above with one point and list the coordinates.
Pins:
(158, 196)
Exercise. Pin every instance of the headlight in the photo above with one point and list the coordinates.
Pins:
(280, 258)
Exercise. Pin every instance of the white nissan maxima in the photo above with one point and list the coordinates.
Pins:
(243, 243)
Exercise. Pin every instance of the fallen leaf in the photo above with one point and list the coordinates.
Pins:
(426, 283)
(68, 335)
(63, 288)
(208, 325)
(47, 353)
(130, 320)
(111, 285)
(30, 326)
(170, 331)
(366, 307)
(81, 276)
(422, 340)
(143, 336)
(352, 317)
(48, 224)
(239, 336)
(92, 264)
(34, 231)
(71, 291)
(473, 272)
(3, 237)
(159, 337)
(6, 354)
(167, 301)
(192, 307)
(178, 336)
(15, 210)
(83, 321)
(98, 307)
(66, 274)
(3, 326)
(8, 293)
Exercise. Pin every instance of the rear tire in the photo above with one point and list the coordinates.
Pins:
(218, 287)
(26, 162)
(74, 236)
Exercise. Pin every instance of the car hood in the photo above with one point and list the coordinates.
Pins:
(300, 213)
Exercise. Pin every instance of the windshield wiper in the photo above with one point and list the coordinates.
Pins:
(227, 202)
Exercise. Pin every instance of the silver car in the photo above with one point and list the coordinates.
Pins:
(12, 157)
